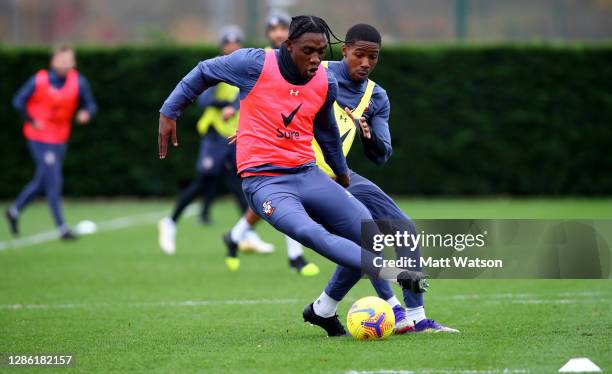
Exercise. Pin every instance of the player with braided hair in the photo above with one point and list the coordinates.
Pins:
(277, 31)
(286, 99)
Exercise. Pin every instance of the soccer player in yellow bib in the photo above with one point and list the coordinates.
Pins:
(369, 118)
(216, 159)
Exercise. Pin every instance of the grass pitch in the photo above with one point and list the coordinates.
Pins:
(116, 302)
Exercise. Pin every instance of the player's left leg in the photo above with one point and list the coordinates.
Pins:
(382, 207)
(54, 159)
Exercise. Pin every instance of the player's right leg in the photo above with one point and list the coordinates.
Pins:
(34, 188)
(308, 207)
(242, 235)
(281, 201)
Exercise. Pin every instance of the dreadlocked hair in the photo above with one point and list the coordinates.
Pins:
(301, 25)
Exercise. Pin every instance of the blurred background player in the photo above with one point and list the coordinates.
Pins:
(277, 31)
(277, 28)
(47, 102)
(359, 97)
(216, 158)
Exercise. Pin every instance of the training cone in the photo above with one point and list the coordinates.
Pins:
(580, 365)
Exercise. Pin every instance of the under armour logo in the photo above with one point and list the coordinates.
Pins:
(293, 92)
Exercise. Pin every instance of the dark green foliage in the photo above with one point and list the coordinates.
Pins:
(464, 120)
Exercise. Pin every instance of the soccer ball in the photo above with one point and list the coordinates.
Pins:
(370, 318)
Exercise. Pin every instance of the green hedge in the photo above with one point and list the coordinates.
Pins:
(524, 120)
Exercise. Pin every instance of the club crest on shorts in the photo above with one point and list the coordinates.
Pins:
(49, 158)
(267, 208)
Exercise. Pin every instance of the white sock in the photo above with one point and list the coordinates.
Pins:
(325, 306)
(294, 248)
(239, 229)
(393, 302)
(416, 314)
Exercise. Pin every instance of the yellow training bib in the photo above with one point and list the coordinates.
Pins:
(346, 126)
(212, 116)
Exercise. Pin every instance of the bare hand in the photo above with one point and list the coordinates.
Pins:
(343, 180)
(232, 139)
(167, 129)
(365, 129)
(228, 112)
(83, 117)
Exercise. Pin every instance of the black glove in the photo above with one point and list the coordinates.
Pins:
(414, 281)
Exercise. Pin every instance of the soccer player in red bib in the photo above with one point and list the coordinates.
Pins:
(277, 31)
(286, 99)
(48, 102)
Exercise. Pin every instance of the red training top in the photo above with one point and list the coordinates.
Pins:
(276, 120)
(52, 109)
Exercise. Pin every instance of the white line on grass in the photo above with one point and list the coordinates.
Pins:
(516, 297)
(582, 297)
(152, 304)
(535, 299)
(108, 225)
(559, 301)
(439, 371)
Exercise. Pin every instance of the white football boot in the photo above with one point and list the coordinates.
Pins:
(253, 243)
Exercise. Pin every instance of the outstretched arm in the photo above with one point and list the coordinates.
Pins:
(240, 69)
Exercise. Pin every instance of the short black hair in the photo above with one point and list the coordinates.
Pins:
(301, 25)
(363, 32)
